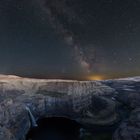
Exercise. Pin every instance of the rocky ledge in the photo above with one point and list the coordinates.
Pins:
(90, 103)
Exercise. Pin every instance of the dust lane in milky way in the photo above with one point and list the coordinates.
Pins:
(70, 39)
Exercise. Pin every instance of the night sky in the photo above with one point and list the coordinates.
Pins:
(70, 39)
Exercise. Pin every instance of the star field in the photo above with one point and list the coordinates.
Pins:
(73, 39)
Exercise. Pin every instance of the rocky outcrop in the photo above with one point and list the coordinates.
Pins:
(91, 103)
(130, 128)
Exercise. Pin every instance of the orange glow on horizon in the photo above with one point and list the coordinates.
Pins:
(95, 77)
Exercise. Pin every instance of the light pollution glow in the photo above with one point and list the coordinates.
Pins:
(96, 77)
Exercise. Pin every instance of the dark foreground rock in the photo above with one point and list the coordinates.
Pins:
(90, 103)
(129, 128)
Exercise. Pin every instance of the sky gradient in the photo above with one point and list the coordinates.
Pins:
(70, 39)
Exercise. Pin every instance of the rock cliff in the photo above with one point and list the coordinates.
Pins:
(90, 103)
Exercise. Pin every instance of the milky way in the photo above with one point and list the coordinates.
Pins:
(62, 17)
(75, 22)
(75, 39)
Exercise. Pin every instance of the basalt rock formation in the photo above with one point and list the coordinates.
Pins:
(90, 103)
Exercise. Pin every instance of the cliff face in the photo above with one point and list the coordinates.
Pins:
(100, 103)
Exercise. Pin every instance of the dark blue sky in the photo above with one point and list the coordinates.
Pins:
(70, 38)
